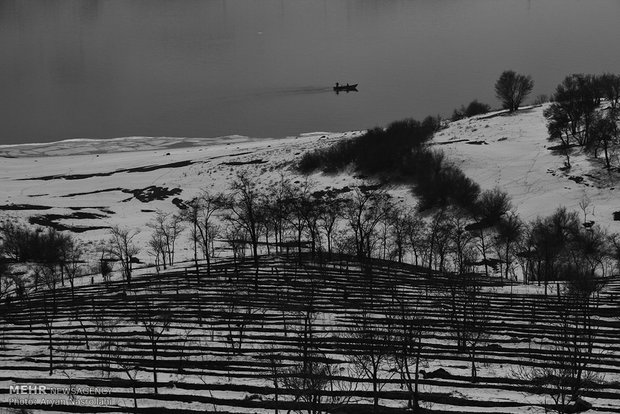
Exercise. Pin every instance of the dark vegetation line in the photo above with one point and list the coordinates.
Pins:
(399, 153)
(147, 168)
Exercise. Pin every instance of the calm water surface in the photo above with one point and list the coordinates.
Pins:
(203, 68)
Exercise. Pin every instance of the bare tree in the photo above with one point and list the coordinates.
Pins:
(127, 363)
(105, 327)
(491, 206)
(157, 249)
(461, 241)
(312, 376)
(73, 263)
(512, 88)
(415, 229)
(567, 372)
(560, 129)
(245, 212)
(365, 210)
(155, 319)
(49, 272)
(7, 280)
(397, 225)
(433, 231)
(408, 337)
(475, 319)
(573, 109)
(123, 249)
(192, 215)
(167, 228)
(309, 210)
(276, 373)
(238, 313)
(509, 233)
(370, 350)
(278, 205)
(550, 239)
(210, 205)
(328, 217)
(605, 135)
(48, 323)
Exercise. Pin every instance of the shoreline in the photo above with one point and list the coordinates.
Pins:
(93, 146)
(88, 146)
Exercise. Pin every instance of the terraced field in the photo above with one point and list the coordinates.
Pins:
(292, 336)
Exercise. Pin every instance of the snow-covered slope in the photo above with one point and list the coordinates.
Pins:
(103, 177)
(511, 151)
(98, 183)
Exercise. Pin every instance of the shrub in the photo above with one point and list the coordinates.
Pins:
(398, 152)
(24, 244)
(474, 108)
(457, 114)
(331, 159)
(377, 151)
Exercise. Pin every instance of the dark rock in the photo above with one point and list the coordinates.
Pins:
(579, 406)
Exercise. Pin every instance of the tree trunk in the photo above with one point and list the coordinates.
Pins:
(474, 371)
(484, 253)
(154, 349)
(606, 155)
(416, 392)
(51, 348)
(375, 393)
(135, 397)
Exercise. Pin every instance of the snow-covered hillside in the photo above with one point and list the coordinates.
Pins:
(123, 181)
(511, 151)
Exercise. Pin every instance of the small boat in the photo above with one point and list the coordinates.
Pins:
(345, 88)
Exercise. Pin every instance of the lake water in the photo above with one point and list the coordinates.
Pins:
(264, 68)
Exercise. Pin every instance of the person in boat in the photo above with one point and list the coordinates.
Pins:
(337, 85)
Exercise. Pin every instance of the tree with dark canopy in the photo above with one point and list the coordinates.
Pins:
(512, 88)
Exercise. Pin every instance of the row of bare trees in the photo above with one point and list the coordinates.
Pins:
(382, 342)
(368, 223)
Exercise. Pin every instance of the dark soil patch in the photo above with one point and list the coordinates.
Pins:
(145, 195)
(146, 168)
(259, 161)
(576, 178)
(232, 155)
(105, 190)
(562, 147)
(451, 142)
(332, 192)
(152, 192)
(179, 203)
(100, 208)
(14, 207)
(51, 220)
